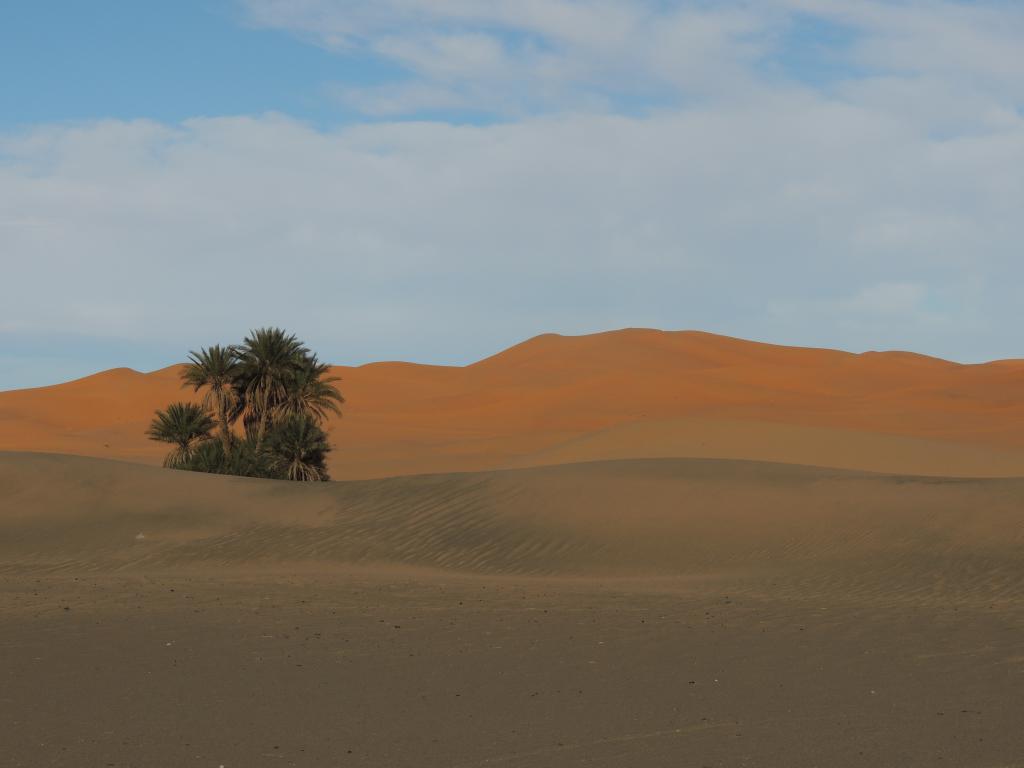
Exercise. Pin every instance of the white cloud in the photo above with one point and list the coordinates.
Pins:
(963, 40)
(546, 53)
(516, 56)
(447, 56)
(425, 240)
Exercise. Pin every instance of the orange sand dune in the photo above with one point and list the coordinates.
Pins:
(623, 394)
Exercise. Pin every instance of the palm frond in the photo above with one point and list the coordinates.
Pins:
(297, 449)
(310, 392)
(216, 369)
(268, 359)
(185, 426)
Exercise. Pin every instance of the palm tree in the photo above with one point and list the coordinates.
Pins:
(185, 425)
(217, 369)
(310, 393)
(297, 449)
(241, 460)
(283, 394)
(269, 358)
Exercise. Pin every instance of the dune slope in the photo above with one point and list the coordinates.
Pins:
(624, 394)
(650, 613)
(633, 518)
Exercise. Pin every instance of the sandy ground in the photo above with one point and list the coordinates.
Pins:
(624, 394)
(632, 613)
(180, 670)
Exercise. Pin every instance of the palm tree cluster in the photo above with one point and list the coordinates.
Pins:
(264, 405)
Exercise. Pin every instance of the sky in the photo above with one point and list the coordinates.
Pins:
(435, 180)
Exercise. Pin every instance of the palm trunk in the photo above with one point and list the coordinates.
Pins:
(225, 433)
(262, 429)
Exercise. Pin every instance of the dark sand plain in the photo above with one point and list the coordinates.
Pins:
(673, 612)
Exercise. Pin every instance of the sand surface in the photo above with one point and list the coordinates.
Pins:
(628, 613)
(623, 394)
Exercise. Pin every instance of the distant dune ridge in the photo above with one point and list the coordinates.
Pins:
(633, 393)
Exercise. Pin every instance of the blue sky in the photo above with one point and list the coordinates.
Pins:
(170, 62)
(434, 180)
(163, 61)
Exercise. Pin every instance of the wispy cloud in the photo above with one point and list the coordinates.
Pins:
(546, 54)
(542, 55)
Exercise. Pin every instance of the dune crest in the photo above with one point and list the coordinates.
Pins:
(634, 393)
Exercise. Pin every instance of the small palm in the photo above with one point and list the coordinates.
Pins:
(216, 369)
(297, 449)
(184, 425)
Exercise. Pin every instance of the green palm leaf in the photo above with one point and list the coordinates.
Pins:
(184, 425)
(216, 369)
(268, 360)
(311, 392)
(296, 449)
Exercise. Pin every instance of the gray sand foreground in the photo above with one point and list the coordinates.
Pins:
(621, 614)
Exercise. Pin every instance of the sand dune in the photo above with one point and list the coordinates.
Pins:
(783, 443)
(624, 394)
(649, 613)
(635, 518)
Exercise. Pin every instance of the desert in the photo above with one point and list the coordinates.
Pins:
(621, 596)
(633, 393)
(511, 384)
